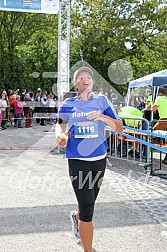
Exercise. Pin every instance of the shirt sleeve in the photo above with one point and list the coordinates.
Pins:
(108, 108)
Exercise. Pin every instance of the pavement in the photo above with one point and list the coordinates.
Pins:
(36, 199)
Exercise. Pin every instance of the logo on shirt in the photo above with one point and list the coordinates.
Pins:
(79, 114)
(82, 114)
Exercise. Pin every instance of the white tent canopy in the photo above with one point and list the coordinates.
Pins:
(150, 79)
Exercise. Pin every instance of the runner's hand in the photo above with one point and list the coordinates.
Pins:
(94, 115)
(62, 139)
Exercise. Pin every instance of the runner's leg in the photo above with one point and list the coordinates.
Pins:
(86, 192)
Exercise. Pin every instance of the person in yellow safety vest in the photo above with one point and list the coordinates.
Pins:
(133, 113)
(161, 105)
(147, 109)
(148, 102)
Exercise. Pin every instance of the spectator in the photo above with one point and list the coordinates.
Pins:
(3, 107)
(22, 97)
(161, 105)
(12, 111)
(37, 107)
(28, 111)
(136, 101)
(141, 105)
(11, 114)
(4, 92)
(32, 107)
(44, 104)
(52, 105)
(147, 101)
(19, 111)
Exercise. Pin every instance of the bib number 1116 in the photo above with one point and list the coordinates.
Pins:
(87, 129)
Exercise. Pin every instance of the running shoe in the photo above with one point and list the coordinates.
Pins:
(74, 222)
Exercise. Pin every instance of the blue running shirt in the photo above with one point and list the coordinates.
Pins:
(86, 141)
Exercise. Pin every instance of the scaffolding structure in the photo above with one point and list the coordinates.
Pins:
(62, 7)
(63, 48)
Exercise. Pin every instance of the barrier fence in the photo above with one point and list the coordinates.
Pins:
(159, 139)
(17, 120)
(130, 144)
(136, 145)
(34, 116)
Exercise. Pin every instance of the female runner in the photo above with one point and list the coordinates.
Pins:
(87, 115)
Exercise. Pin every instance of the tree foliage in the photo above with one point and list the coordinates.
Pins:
(28, 44)
(104, 30)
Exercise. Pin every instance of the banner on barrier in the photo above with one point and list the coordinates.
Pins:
(36, 6)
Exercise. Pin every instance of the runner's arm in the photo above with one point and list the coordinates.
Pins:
(115, 124)
(60, 130)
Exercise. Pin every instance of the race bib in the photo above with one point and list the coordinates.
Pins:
(86, 129)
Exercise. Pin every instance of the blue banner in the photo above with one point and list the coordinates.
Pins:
(38, 6)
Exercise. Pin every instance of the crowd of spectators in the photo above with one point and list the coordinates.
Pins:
(17, 107)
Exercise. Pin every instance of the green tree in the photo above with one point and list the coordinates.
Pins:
(103, 29)
(27, 44)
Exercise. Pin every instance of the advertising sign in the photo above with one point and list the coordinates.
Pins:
(36, 6)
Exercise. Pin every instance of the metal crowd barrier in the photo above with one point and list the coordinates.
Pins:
(130, 145)
(158, 138)
(140, 141)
